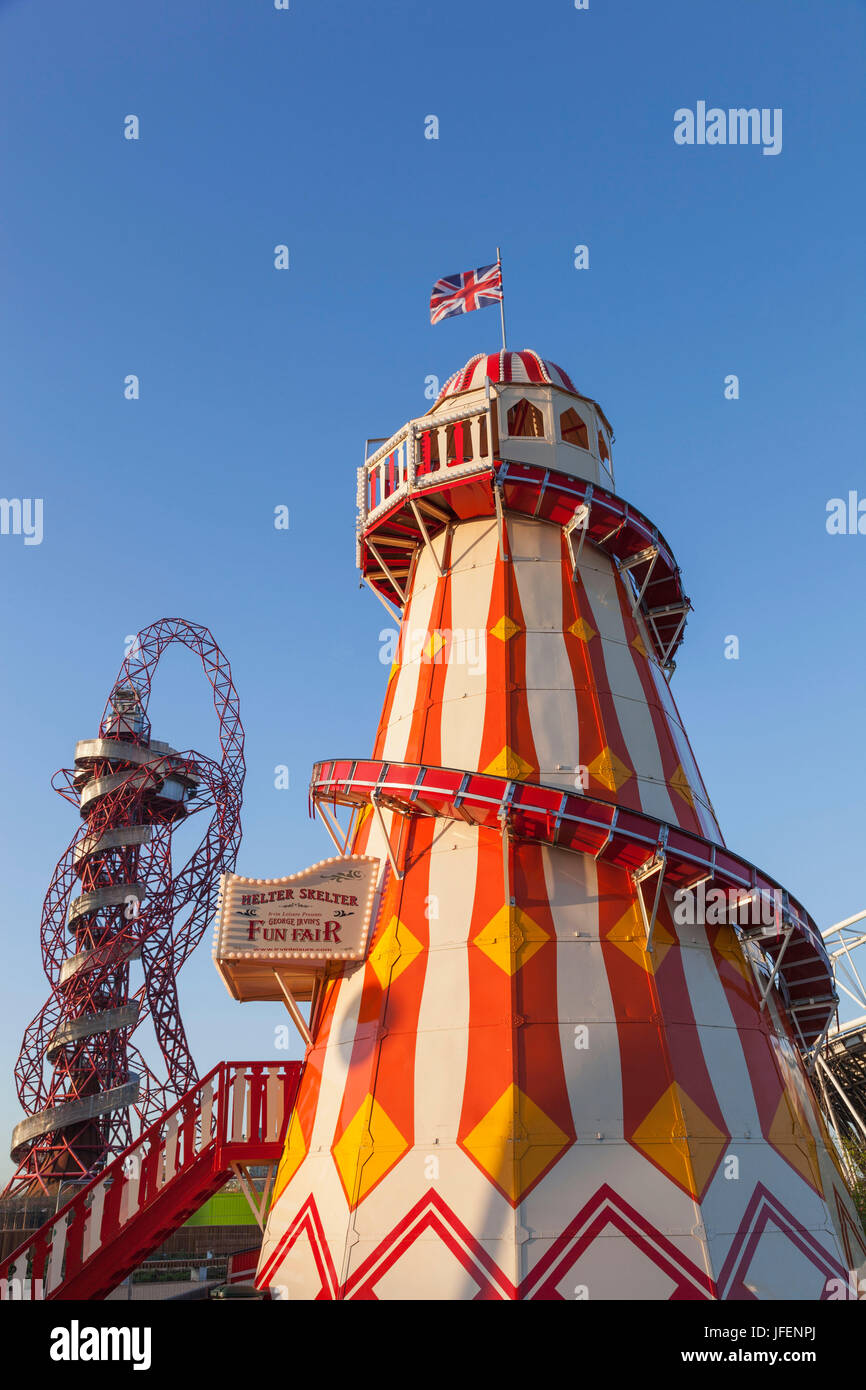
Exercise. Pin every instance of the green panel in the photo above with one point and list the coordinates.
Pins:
(223, 1209)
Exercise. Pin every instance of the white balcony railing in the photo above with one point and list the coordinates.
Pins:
(419, 453)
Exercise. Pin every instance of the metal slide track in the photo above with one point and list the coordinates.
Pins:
(794, 951)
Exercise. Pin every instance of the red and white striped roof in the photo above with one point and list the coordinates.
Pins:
(505, 367)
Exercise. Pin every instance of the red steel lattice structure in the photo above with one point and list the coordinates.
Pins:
(131, 904)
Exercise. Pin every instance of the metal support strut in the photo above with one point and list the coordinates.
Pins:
(292, 1006)
(655, 865)
(579, 522)
(340, 846)
(258, 1202)
(425, 533)
(374, 801)
(500, 519)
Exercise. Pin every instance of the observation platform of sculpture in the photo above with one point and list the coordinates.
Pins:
(546, 1079)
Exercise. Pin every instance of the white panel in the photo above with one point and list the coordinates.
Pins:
(93, 1223)
(613, 1267)
(779, 1270)
(537, 542)
(593, 1073)
(475, 548)
(130, 1195)
(552, 706)
(427, 1270)
(239, 1096)
(443, 1024)
(550, 694)
(591, 1164)
(54, 1271)
(474, 543)
(462, 730)
(297, 1277)
(632, 710)
(635, 722)
(416, 619)
(169, 1166)
(703, 805)
(727, 1196)
(206, 1104)
(599, 582)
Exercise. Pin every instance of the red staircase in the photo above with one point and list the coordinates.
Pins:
(236, 1115)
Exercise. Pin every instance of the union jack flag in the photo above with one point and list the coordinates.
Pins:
(471, 289)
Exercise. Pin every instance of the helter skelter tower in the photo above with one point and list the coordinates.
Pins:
(540, 1083)
(118, 902)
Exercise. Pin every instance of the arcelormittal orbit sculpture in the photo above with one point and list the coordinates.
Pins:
(562, 1070)
(115, 898)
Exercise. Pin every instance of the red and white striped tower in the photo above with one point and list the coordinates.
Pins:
(540, 1083)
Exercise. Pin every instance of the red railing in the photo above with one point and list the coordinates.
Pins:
(237, 1113)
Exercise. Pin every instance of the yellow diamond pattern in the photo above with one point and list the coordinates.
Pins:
(638, 644)
(727, 944)
(505, 628)
(610, 770)
(394, 952)
(432, 646)
(507, 763)
(515, 1142)
(293, 1156)
(582, 630)
(678, 1137)
(680, 783)
(511, 938)
(370, 1144)
(630, 937)
(790, 1134)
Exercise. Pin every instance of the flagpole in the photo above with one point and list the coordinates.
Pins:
(502, 300)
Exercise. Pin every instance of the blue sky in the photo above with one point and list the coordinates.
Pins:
(258, 387)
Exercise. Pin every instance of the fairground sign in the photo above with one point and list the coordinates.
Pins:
(278, 933)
